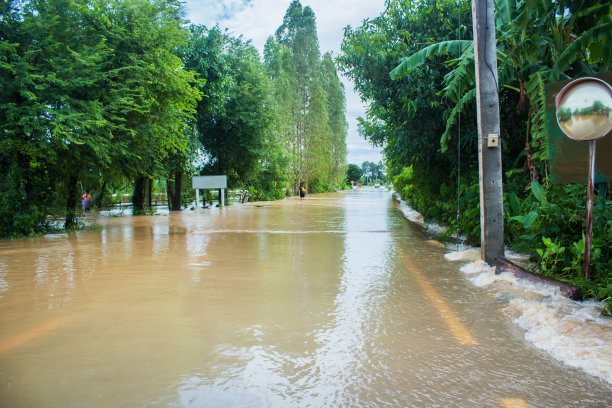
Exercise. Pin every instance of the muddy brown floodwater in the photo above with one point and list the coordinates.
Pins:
(333, 301)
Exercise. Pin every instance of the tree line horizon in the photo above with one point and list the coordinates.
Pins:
(123, 95)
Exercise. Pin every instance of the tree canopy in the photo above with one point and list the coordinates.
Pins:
(99, 94)
(353, 173)
(311, 119)
(90, 87)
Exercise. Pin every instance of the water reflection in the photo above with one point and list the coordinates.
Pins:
(342, 356)
(274, 323)
(4, 286)
(295, 303)
(161, 239)
(583, 109)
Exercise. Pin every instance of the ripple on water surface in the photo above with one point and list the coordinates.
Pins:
(313, 303)
(572, 332)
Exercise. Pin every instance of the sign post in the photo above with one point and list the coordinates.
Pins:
(584, 113)
(209, 183)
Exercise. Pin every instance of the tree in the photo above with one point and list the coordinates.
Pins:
(366, 168)
(204, 54)
(414, 113)
(538, 42)
(279, 65)
(150, 97)
(53, 122)
(314, 124)
(92, 93)
(298, 33)
(407, 116)
(234, 137)
(353, 173)
(336, 107)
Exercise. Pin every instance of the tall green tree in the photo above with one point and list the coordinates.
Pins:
(414, 113)
(149, 96)
(52, 122)
(336, 108)
(92, 93)
(538, 42)
(233, 137)
(373, 171)
(299, 34)
(353, 173)
(407, 117)
(205, 54)
(316, 128)
(280, 69)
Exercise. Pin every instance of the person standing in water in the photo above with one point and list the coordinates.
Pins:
(86, 200)
(302, 191)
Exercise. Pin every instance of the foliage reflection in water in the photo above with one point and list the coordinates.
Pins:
(293, 303)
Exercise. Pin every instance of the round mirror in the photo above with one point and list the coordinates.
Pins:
(584, 109)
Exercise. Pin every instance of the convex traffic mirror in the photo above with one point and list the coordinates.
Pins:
(583, 113)
(584, 109)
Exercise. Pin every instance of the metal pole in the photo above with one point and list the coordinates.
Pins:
(489, 154)
(588, 230)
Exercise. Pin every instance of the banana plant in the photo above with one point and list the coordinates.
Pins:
(538, 42)
(528, 219)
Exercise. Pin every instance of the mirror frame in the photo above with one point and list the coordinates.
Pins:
(572, 86)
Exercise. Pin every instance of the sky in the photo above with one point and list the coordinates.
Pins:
(258, 19)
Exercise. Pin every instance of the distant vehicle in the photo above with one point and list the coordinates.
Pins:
(377, 185)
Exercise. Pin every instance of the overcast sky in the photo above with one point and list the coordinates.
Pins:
(258, 19)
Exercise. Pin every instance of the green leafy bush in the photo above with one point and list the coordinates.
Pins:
(555, 216)
(552, 217)
(437, 201)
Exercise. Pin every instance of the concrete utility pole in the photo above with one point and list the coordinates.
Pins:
(489, 142)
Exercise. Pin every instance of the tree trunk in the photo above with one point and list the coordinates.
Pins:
(169, 190)
(138, 198)
(150, 193)
(176, 194)
(71, 203)
(101, 196)
(25, 177)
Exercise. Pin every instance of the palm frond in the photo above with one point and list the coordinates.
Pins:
(452, 118)
(462, 77)
(597, 34)
(505, 12)
(418, 58)
(537, 99)
(530, 11)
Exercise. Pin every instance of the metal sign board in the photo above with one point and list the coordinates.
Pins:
(569, 158)
(208, 182)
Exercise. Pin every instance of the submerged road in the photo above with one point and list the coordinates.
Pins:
(331, 301)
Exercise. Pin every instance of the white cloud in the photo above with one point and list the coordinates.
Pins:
(259, 19)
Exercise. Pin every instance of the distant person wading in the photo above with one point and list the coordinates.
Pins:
(86, 200)
(302, 191)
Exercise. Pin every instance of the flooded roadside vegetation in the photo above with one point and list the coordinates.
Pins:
(335, 300)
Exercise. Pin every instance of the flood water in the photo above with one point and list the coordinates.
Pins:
(333, 301)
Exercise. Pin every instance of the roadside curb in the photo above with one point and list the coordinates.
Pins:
(505, 265)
